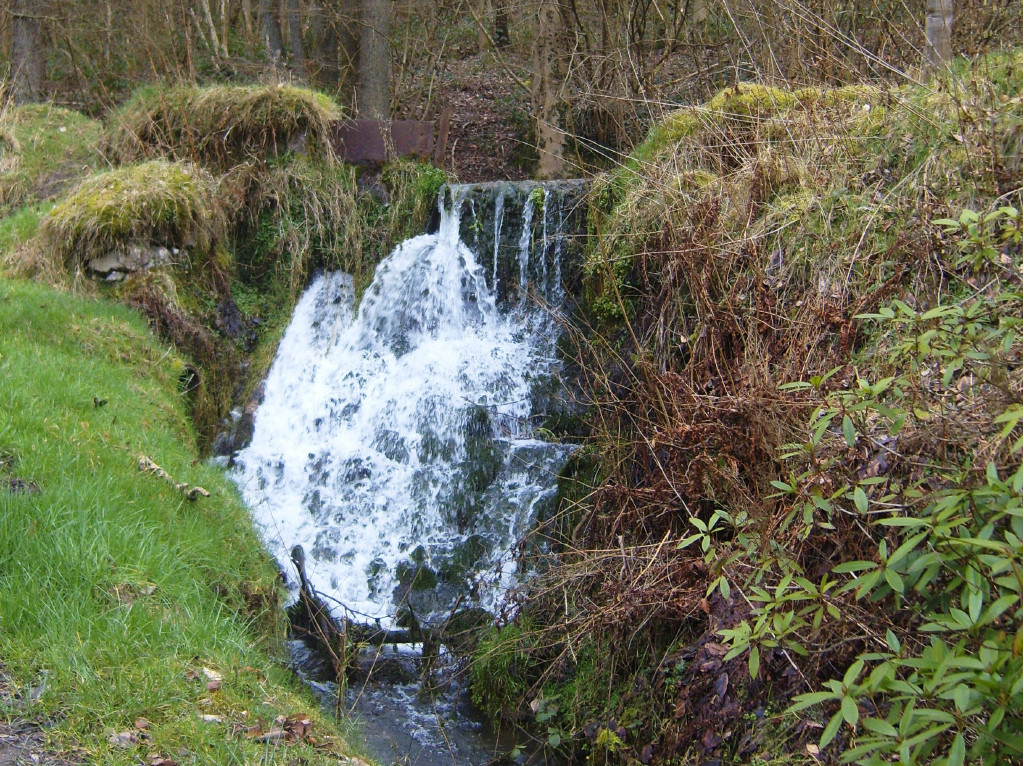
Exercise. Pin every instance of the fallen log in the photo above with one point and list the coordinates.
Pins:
(338, 639)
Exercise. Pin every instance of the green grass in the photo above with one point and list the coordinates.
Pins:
(112, 585)
(21, 225)
(44, 147)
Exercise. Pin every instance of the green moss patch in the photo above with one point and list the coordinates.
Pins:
(155, 203)
(223, 125)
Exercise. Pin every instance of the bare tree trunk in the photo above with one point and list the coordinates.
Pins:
(270, 31)
(374, 94)
(325, 46)
(501, 38)
(938, 28)
(484, 10)
(547, 84)
(295, 51)
(26, 53)
(247, 18)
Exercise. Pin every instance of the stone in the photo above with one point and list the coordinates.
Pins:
(119, 262)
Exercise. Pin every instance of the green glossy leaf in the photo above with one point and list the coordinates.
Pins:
(849, 433)
(892, 641)
(831, 729)
(849, 710)
(878, 726)
(803, 701)
(957, 751)
(860, 500)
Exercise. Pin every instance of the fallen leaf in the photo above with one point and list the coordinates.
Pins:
(212, 675)
(716, 650)
(214, 679)
(123, 739)
(159, 760)
(141, 724)
(207, 718)
(297, 727)
(812, 750)
(192, 674)
(722, 685)
(271, 736)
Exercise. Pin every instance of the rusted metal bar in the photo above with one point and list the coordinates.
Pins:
(363, 142)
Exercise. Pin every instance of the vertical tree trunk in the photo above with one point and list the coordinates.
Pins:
(324, 67)
(374, 96)
(295, 51)
(938, 28)
(247, 18)
(484, 10)
(270, 31)
(501, 38)
(547, 85)
(26, 54)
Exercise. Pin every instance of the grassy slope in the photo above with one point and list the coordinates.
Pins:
(43, 149)
(111, 584)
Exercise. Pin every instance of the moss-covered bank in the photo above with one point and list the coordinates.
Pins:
(221, 202)
(136, 623)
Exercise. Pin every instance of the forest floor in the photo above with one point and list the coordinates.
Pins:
(489, 134)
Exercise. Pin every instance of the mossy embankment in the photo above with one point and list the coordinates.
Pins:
(802, 365)
(116, 590)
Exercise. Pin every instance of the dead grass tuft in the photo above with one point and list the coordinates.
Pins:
(221, 126)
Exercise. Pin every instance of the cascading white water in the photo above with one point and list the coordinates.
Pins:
(394, 444)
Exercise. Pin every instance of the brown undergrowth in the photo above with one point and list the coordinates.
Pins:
(739, 251)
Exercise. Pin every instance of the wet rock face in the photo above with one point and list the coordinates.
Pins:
(502, 220)
(238, 427)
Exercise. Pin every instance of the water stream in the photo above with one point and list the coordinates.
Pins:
(397, 442)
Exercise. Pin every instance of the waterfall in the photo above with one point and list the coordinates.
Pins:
(396, 442)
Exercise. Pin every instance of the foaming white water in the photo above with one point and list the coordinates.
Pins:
(394, 445)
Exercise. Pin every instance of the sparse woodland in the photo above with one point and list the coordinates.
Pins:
(793, 531)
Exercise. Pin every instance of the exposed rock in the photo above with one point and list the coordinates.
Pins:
(15, 485)
(238, 429)
(229, 319)
(118, 263)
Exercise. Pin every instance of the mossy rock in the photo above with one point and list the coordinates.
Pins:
(223, 125)
(155, 203)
